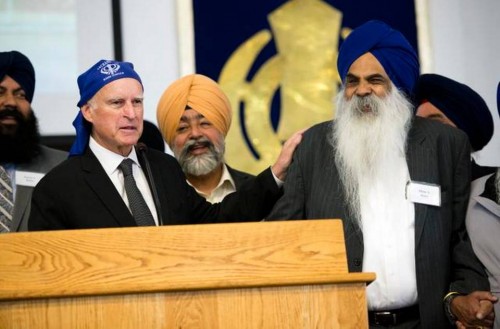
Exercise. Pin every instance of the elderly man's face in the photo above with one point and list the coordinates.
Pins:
(201, 135)
(13, 105)
(366, 76)
(116, 113)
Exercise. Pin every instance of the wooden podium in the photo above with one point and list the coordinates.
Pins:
(290, 274)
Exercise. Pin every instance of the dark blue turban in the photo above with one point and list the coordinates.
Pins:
(498, 98)
(89, 83)
(18, 67)
(462, 105)
(389, 46)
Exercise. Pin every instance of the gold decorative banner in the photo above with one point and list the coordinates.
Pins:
(301, 72)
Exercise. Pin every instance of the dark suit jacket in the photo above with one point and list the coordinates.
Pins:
(435, 154)
(79, 194)
(239, 177)
(42, 163)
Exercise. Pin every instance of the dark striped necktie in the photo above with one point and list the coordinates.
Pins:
(138, 206)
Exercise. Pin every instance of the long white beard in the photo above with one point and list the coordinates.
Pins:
(199, 165)
(368, 143)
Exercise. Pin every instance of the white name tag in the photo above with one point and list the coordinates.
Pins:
(425, 193)
(26, 178)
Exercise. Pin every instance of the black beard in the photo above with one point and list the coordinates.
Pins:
(24, 144)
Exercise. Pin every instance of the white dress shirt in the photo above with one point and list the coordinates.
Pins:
(110, 161)
(225, 186)
(388, 221)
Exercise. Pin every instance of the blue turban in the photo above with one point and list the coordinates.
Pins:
(498, 98)
(462, 105)
(18, 67)
(89, 83)
(389, 46)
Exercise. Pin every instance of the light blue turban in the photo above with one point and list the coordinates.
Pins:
(389, 46)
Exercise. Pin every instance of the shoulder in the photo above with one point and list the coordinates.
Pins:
(53, 153)
(322, 128)
(317, 137)
(47, 159)
(436, 135)
(160, 157)
(236, 174)
(436, 129)
(63, 175)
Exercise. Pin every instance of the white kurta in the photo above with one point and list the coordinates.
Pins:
(388, 220)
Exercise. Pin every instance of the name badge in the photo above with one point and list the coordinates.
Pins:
(425, 193)
(26, 178)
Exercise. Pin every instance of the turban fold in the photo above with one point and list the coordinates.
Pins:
(89, 83)
(389, 46)
(198, 92)
(462, 105)
(18, 67)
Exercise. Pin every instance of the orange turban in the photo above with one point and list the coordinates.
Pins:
(198, 92)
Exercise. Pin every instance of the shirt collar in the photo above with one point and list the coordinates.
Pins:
(224, 179)
(109, 159)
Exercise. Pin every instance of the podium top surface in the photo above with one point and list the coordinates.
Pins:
(173, 258)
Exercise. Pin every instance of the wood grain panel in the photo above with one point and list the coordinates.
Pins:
(248, 275)
(308, 306)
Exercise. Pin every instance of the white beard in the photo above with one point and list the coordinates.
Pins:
(200, 165)
(367, 144)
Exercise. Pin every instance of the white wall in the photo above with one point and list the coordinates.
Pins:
(465, 43)
(150, 42)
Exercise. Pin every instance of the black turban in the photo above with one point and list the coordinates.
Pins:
(151, 136)
(18, 67)
(462, 105)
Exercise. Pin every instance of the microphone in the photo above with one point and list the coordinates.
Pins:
(143, 149)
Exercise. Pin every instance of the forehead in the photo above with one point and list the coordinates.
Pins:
(126, 87)
(428, 109)
(191, 114)
(366, 65)
(7, 81)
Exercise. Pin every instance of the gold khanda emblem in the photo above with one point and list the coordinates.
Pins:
(303, 70)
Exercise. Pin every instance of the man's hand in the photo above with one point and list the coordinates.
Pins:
(280, 167)
(474, 310)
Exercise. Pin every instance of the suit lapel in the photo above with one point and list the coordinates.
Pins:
(418, 158)
(239, 177)
(23, 193)
(102, 186)
(23, 197)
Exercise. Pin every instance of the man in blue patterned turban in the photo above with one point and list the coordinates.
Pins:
(400, 185)
(112, 181)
